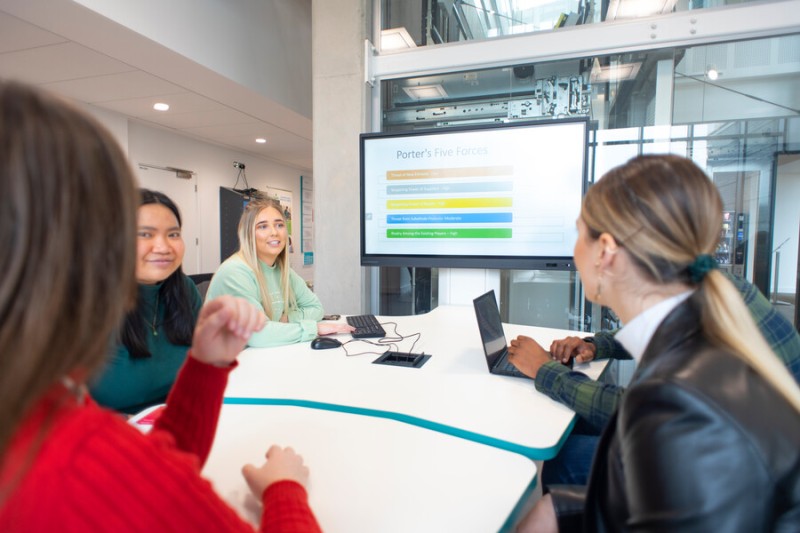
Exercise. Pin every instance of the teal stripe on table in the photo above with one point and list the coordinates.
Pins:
(536, 454)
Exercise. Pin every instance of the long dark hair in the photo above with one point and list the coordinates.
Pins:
(174, 295)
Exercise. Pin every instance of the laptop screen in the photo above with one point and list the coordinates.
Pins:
(491, 327)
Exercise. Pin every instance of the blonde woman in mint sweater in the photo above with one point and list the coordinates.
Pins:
(260, 273)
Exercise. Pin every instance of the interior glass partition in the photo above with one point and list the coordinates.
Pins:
(432, 22)
(732, 107)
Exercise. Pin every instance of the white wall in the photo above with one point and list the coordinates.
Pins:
(213, 166)
(116, 124)
(247, 42)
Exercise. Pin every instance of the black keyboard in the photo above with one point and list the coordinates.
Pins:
(366, 326)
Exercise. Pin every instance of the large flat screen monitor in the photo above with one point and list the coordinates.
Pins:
(500, 197)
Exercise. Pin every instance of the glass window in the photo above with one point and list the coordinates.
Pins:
(431, 22)
(733, 108)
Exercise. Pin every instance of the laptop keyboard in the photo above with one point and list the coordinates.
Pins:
(366, 326)
(504, 366)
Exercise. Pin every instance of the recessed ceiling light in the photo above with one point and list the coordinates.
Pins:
(426, 92)
(624, 9)
(261, 140)
(614, 73)
(161, 106)
(712, 73)
(396, 39)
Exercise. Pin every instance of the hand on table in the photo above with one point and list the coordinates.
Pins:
(329, 328)
(527, 355)
(573, 347)
(282, 463)
(223, 328)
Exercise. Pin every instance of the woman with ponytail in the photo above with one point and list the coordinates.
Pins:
(707, 437)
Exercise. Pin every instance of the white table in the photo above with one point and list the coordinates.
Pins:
(371, 474)
(453, 393)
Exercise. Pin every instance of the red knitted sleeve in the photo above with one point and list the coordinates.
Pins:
(193, 407)
(286, 509)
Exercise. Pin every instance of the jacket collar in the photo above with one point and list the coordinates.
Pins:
(680, 326)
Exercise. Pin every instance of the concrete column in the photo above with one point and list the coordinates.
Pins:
(340, 106)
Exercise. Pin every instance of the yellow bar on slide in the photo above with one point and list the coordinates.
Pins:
(448, 203)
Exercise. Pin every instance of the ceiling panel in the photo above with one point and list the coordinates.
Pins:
(31, 53)
(122, 86)
(199, 119)
(16, 34)
(57, 62)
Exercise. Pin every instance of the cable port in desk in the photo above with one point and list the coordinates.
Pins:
(406, 359)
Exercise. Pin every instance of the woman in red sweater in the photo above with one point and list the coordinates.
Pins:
(67, 234)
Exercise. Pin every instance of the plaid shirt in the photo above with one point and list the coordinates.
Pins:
(595, 401)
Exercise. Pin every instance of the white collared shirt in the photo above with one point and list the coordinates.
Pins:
(636, 334)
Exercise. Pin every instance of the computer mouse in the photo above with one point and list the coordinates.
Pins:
(323, 343)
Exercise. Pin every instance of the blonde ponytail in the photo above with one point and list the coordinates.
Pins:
(727, 321)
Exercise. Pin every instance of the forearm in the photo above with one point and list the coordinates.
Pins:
(193, 407)
(607, 347)
(593, 401)
(308, 305)
(286, 509)
(283, 333)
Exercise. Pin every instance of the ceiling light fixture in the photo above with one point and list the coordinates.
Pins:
(261, 140)
(712, 73)
(396, 39)
(426, 92)
(612, 73)
(627, 9)
(161, 106)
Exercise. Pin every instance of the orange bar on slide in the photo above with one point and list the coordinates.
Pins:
(436, 173)
(448, 203)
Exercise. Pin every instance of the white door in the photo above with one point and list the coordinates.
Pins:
(184, 193)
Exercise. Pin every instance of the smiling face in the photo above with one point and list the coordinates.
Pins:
(270, 234)
(159, 245)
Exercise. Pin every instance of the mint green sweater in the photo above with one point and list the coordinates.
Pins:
(236, 278)
(129, 385)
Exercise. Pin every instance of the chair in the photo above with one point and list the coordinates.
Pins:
(202, 281)
(203, 288)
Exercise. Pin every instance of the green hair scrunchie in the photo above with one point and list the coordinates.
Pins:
(702, 265)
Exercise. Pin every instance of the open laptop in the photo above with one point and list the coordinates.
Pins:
(494, 339)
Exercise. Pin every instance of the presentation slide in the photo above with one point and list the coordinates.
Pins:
(511, 191)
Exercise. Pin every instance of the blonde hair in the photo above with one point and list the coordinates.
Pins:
(249, 254)
(68, 236)
(666, 212)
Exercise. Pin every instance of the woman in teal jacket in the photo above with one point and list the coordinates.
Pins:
(156, 335)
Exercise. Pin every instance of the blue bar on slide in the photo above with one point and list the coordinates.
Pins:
(449, 218)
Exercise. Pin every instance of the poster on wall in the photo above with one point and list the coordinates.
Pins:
(307, 221)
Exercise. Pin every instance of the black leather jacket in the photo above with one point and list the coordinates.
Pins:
(699, 443)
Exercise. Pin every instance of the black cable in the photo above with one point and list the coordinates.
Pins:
(387, 341)
(239, 175)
